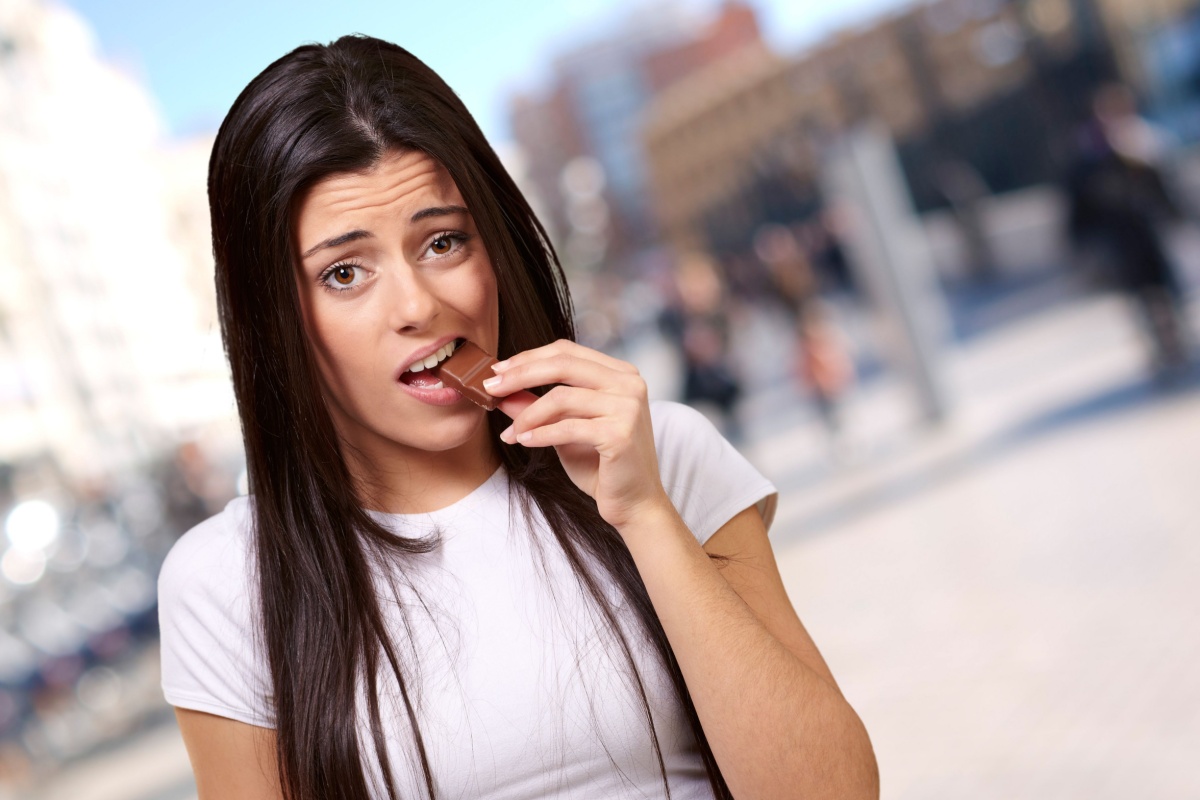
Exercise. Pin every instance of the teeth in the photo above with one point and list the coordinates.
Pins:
(432, 360)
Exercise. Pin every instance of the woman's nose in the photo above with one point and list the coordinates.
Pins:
(413, 304)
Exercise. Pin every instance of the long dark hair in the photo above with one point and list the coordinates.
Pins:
(318, 111)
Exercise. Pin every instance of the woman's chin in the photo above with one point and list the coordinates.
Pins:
(442, 435)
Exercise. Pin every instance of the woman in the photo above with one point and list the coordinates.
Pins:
(421, 599)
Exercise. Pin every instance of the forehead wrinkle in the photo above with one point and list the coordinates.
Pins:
(357, 193)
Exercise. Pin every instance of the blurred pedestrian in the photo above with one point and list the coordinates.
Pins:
(698, 322)
(1119, 202)
(964, 191)
(821, 363)
(187, 479)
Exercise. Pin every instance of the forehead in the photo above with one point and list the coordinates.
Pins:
(400, 183)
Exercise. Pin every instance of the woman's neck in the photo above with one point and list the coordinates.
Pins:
(410, 481)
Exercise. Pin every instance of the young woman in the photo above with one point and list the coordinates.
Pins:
(421, 598)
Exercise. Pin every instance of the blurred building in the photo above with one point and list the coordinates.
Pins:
(1135, 23)
(996, 85)
(581, 136)
(1165, 51)
(108, 351)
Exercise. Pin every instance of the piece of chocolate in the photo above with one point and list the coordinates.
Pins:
(466, 370)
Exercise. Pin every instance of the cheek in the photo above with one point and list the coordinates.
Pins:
(490, 304)
(325, 332)
(489, 296)
(478, 297)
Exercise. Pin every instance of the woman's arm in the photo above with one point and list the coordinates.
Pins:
(774, 716)
(231, 760)
(776, 720)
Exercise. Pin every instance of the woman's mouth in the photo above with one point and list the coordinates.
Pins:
(419, 374)
(420, 380)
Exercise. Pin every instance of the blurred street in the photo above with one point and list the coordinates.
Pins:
(1008, 601)
(933, 266)
(1036, 562)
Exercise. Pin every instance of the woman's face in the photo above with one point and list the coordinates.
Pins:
(391, 270)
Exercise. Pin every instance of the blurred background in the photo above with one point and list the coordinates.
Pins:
(931, 265)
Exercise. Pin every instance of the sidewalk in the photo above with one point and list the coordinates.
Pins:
(1011, 603)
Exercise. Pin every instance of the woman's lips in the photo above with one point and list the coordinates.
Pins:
(443, 396)
(432, 356)
(425, 379)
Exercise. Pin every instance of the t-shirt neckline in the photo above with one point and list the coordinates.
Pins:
(466, 503)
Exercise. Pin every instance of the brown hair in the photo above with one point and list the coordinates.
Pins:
(319, 111)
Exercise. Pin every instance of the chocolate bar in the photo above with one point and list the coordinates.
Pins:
(465, 371)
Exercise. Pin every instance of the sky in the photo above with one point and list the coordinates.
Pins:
(195, 57)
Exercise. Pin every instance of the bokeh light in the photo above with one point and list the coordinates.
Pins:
(32, 525)
(23, 567)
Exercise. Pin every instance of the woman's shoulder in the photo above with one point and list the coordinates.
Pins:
(705, 476)
(673, 420)
(214, 555)
(211, 659)
(683, 434)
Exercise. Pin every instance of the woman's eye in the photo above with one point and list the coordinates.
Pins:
(446, 243)
(342, 276)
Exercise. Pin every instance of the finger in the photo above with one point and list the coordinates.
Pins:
(562, 368)
(590, 432)
(562, 402)
(565, 347)
(514, 404)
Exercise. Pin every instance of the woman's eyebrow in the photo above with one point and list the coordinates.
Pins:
(438, 211)
(340, 239)
(355, 235)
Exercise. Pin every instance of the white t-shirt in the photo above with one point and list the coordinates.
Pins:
(521, 692)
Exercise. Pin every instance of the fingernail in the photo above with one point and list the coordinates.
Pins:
(507, 436)
(491, 383)
(525, 437)
(500, 366)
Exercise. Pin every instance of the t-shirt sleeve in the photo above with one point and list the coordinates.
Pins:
(708, 480)
(210, 659)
